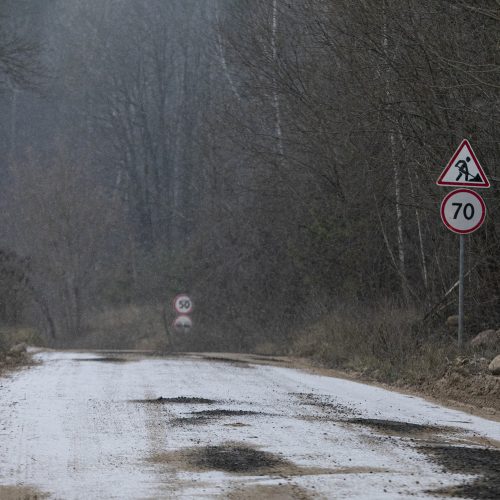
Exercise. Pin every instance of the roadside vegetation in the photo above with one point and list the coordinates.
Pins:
(274, 159)
(394, 346)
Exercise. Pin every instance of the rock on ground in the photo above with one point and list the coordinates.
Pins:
(18, 349)
(486, 338)
(494, 366)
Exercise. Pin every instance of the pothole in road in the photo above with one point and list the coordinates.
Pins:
(180, 421)
(225, 413)
(397, 427)
(326, 404)
(205, 416)
(239, 458)
(235, 458)
(177, 400)
(466, 460)
(228, 457)
(107, 359)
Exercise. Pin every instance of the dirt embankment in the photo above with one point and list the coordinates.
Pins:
(467, 382)
(463, 386)
(21, 493)
(466, 385)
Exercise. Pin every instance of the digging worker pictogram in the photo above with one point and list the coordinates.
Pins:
(463, 169)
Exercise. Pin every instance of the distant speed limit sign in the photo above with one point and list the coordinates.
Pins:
(183, 304)
(182, 324)
(463, 211)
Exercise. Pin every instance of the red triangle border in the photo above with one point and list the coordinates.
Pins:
(485, 184)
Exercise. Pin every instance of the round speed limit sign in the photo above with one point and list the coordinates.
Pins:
(183, 323)
(463, 211)
(183, 304)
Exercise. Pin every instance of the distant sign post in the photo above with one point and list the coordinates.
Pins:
(463, 211)
(183, 306)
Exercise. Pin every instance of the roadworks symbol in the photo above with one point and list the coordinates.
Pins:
(464, 169)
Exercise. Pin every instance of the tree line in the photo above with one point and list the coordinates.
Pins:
(275, 159)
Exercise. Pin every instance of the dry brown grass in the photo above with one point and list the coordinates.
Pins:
(386, 342)
(12, 335)
(392, 345)
(127, 327)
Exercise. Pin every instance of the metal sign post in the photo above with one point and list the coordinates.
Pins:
(463, 212)
(461, 292)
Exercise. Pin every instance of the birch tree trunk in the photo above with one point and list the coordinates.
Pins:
(276, 103)
(395, 169)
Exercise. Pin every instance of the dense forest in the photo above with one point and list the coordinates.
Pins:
(275, 159)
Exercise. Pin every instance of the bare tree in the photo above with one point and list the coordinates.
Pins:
(58, 218)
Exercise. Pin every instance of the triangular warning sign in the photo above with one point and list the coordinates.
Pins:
(464, 169)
